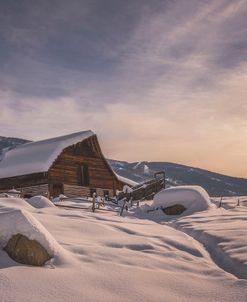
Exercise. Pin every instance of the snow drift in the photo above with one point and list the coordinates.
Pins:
(193, 198)
(40, 202)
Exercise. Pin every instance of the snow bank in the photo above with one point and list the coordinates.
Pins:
(223, 233)
(10, 202)
(14, 221)
(61, 197)
(193, 198)
(5, 195)
(40, 202)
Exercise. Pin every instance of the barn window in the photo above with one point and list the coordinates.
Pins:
(84, 175)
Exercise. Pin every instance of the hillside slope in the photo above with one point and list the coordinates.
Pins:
(7, 143)
(216, 184)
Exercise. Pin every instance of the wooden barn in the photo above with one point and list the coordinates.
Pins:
(72, 165)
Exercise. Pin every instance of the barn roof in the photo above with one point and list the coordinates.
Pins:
(38, 156)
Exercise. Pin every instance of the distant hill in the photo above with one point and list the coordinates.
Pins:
(7, 143)
(216, 184)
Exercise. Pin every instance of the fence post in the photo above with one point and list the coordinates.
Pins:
(220, 203)
(131, 201)
(124, 205)
(94, 197)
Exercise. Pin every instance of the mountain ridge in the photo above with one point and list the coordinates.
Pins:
(7, 143)
(177, 174)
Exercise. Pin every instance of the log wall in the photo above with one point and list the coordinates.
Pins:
(23, 181)
(75, 191)
(35, 190)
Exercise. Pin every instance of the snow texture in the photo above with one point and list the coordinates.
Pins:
(193, 198)
(37, 156)
(118, 259)
(223, 233)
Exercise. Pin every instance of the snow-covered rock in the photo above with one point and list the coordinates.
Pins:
(16, 221)
(193, 198)
(40, 202)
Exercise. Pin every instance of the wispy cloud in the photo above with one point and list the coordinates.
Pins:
(157, 80)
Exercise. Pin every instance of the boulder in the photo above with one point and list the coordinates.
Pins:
(176, 209)
(26, 251)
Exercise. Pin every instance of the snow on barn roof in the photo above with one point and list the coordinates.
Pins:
(37, 156)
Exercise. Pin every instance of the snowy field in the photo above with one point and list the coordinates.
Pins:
(142, 256)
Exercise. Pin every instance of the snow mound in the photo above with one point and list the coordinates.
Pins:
(61, 197)
(17, 221)
(4, 195)
(40, 202)
(10, 202)
(193, 198)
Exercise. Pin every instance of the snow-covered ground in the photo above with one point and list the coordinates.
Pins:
(224, 234)
(222, 231)
(143, 256)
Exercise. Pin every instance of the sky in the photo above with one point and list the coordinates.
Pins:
(157, 80)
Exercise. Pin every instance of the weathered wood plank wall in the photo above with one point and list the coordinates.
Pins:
(23, 181)
(78, 191)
